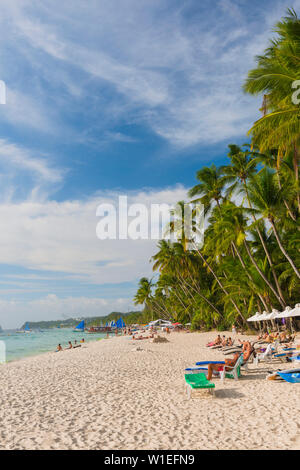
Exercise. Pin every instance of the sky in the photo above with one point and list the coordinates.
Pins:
(107, 98)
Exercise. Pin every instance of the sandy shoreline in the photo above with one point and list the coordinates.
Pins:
(108, 395)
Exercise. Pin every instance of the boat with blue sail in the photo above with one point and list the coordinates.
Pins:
(26, 329)
(80, 327)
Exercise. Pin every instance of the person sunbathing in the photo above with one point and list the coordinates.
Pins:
(282, 337)
(247, 350)
(59, 348)
(70, 345)
(216, 342)
(229, 364)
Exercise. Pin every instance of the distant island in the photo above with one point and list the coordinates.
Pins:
(128, 317)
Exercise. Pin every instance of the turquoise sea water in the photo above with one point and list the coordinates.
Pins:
(20, 345)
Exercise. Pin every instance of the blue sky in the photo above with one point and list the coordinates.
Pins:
(106, 98)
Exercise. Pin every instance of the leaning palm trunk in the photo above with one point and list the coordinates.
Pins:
(248, 274)
(165, 312)
(265, 249)
(282, 247)
(296, 168)
(262, 275)
(197, 291)
(220, 284)
(284, 200)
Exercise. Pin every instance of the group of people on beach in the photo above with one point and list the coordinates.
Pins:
(221, 342)
(245, 348)
(76, 345)
(282, 337)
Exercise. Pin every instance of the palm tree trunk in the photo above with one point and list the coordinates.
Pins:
(220, 284)
(265, 249)
(204, 298)
(166, 312)
(282, 248)
(284, 201)
(197, 290)
(248, 274)
(262, 275)
(296, 168)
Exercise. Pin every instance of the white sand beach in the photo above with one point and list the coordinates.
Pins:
(108, 395)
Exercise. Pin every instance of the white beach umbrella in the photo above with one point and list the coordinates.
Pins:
(273, 314)
(263, 316)
(254, 317)
(284, 314)
(295, 312)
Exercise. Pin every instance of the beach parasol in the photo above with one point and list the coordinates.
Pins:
(254, 317)
(295, 312)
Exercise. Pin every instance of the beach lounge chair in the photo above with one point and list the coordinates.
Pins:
(287, 355)
(265, 356)
(201, 367)
(251, 358)
(197, 382)
(290, 375)
(233, 373)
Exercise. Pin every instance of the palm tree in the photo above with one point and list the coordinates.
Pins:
(211, 186)
(144, 293)
(267, 197)
(274, 76)
(242, 167)
(229, 226)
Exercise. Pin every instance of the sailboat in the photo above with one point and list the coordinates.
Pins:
(26, 329)
(80, 327)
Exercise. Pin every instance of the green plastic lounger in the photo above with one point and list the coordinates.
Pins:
(197, 382)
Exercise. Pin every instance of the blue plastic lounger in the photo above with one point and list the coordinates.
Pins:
(286, 355)
(205, 363)
(296, 358)
(292, 376)
(195, 370)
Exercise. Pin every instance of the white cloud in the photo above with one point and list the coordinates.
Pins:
(61, 237)
(21, 158)
(177, 72)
